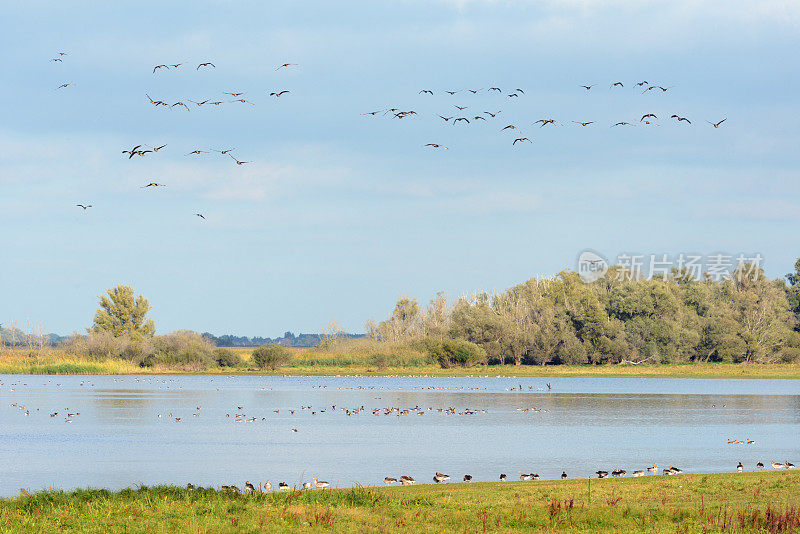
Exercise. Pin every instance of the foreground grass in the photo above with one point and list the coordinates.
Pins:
(371, 358)
(747, 502)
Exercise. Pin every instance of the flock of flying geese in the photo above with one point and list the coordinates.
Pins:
(648, 119)
(141, 150)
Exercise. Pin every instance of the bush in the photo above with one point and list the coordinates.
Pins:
(227, 357)
(455, 352)
(183, 349)
(271, 356)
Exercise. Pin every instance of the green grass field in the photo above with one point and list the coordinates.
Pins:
(732, 502)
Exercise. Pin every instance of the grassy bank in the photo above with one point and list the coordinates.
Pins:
(746, 502)
(370, 358)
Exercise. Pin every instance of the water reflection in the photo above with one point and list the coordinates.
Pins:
(126, 432)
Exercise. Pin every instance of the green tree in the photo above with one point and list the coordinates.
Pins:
(271, 356)
(121, 313)
(793, 293)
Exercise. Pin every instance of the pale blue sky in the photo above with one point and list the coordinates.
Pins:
(340, 213)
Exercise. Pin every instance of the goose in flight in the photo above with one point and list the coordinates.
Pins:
(460, 108)
(680, 118)
(492, 115)
(617, 84)
(197, 151)
(716, 124)
(57, 59)
(234, 94)
(623, 123)
(436, 145)
(587, 87)
(155, 102)
(479, 117)
(223, 152)
(649, 88)
(426, 92)
(513, 95)
(180, 104)
(132, 151)
(156, 149)
(206, 64)
(475, 91)
(642, 83)
(521, 139)
(451, 93)
(279, 94)
(373, 113)
(286, 65)
(64, 85)
(510, 126)
(584, 123)
(152, 184)
(519, 91)
(495, 89)
(200, 103)
(461, 119)
(665, 89)
(85, 207)
(160, 67)
(646, 116)
(239, 162)
(546, 122)
(243, 101)
(200, 215)
(445, 119)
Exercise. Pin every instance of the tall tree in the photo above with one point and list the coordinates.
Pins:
(122, 313)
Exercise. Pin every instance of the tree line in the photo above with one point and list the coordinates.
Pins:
(620, 318)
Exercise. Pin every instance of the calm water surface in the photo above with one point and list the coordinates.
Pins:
(582, 425)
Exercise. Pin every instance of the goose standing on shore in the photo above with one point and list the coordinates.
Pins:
(406, 480)
(602, 474)
(563, 475)
(320, 484)
(759, 465)
(653, 469)
(638, 473)
(467, 478)
(502, 477)
(534, 476)
(618, 473)
(776, 465)
(306, 485)
(283, 486)
(524, 476)
(789, 465)
(740, 467)
(268, 486)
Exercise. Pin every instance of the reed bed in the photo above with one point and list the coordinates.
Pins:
(368, 357)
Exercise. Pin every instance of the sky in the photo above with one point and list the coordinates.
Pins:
(338, 213)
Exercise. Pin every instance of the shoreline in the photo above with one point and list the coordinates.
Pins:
(17, 366)
(741, 502)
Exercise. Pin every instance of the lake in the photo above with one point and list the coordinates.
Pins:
(123, 430)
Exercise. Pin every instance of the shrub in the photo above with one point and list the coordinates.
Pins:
(227, 357)
(271, 356)
(455, 352)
